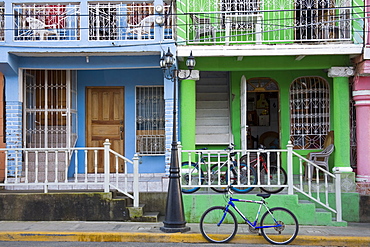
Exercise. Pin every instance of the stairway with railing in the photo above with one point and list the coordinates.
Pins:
(66, 169)
(317, 190)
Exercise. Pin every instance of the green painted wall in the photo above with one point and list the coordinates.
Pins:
(341, 122)
(196, 204)
(187, 114)
(283, 69)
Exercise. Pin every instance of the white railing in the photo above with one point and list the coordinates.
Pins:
(71, 169)
(212, 161)
(127, 21)
(106, 21)
(43, 22)
(314, 188)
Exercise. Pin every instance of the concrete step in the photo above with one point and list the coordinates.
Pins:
(150, 217)
(321, 216)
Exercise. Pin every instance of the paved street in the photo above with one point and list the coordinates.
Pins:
(87, 233)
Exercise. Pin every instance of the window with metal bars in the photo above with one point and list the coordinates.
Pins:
(150, 120)
(309, 112)
(50, 100)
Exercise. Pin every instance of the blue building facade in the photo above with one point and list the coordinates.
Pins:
(77, 74)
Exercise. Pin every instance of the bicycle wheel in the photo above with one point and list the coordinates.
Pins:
(219, 177)
(274, 179)
(192, 170)
(279, 226)
(248, 176)
(218, 225)
(252, 158)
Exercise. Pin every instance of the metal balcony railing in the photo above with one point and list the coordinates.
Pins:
(119, 21)
(38, 22)
(264, 22)
(106, 21)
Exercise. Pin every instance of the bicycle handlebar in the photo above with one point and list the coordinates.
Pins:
(230, 147)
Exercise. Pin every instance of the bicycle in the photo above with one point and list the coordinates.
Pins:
(217, 173)
(278, 225)
(271, 174)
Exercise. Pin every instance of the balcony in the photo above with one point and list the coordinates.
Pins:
(231, 22)
(100, 21)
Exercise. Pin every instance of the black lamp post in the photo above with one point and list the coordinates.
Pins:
(174, 219)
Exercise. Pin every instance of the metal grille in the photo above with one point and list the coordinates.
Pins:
(309, 112)
(257, 21)
(46, 22)
(353, 140)
(261, 84)
(121, 21)
(50, 109)
(240, 6)
(150, 120)
(321, 19)
(242, 19)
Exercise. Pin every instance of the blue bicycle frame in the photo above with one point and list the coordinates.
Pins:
(252, 224)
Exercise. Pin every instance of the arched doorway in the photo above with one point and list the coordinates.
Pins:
(259, 113)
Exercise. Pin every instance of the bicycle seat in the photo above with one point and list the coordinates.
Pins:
(264, 195)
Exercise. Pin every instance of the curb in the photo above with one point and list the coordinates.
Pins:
(172, 238)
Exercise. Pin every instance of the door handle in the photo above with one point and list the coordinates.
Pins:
(121, 133)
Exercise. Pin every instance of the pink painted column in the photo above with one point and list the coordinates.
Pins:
(361, 96)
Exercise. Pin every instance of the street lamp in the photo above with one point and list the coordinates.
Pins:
(174, 219)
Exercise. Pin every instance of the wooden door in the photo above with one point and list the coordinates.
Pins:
(105, 120)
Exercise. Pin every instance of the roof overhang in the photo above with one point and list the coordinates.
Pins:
(269, 50)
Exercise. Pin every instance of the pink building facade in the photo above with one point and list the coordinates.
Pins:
(361, 97)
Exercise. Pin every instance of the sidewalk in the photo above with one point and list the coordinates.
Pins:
(355, 234)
